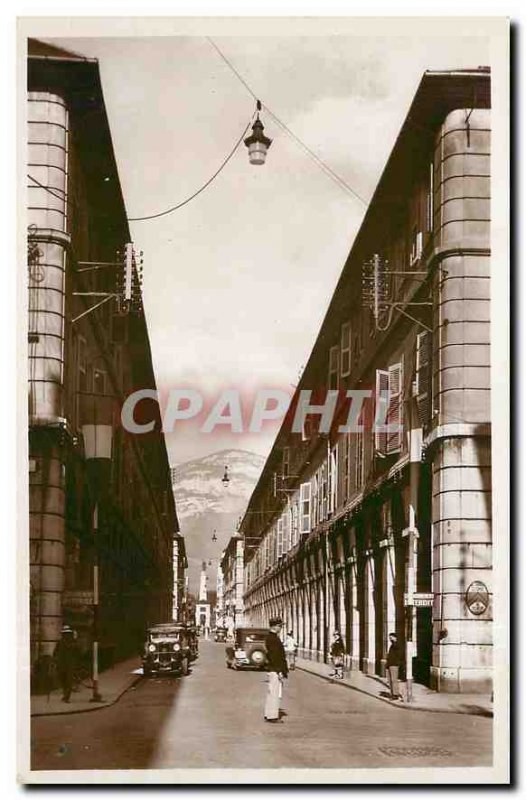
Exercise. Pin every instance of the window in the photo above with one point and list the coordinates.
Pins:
(294, 533)
(430, 198)
(345, 358)
(395, 412)
(381, 395)
(358, 462)
(305, 500)
(286, 462)
(346, 448)
(416, 245)
(333, 479)
(422, 384)
(334, 357)
(279, 542)
(389, 389)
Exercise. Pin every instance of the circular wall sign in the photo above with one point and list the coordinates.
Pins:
(477, 597)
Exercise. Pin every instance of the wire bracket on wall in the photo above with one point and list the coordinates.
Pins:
(128, 285)
(377, 291)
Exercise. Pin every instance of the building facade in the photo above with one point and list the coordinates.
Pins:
(232, 566)
(388, 528)
(180, 565)
(98, 495)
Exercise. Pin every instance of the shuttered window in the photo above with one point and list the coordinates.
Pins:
(280, 538)
(333, 478)
(334, 357)
(422, 385)
(345, 350)
(395, 413)
(358, 462)
(305, 500)
(382, 390)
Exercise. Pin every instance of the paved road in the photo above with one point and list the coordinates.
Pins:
(213, 718)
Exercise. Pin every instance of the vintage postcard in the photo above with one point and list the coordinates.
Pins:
(263, 357)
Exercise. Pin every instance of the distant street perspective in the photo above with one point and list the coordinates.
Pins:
(214, 718)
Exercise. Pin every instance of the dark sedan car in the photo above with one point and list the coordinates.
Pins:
(167, 649)
(248, 649)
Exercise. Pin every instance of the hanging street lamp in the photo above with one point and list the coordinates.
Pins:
(257, 142)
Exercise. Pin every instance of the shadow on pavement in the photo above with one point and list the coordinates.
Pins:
(121, 736)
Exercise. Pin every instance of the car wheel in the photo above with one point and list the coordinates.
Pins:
(258, 658)
(184, 666)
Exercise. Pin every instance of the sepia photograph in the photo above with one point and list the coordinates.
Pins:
(263, 528)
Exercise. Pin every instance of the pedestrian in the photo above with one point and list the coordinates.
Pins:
(337, 654)
(65, 657)
(276, 668)
(393, 664)
(291, 647)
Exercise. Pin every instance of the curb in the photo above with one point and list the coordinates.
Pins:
(96, 707)
(396, 704)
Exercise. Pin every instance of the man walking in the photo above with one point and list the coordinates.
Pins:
(393, 664)
(277, 670)
(290, 650)
(65, 656)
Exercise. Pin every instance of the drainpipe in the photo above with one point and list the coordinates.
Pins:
(415, 458)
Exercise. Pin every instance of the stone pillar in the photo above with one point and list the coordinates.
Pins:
(369, 660)
(354, 611)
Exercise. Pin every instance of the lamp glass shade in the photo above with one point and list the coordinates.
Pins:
(257, 152)
(97, 441)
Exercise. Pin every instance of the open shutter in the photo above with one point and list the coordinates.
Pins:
(305, 499)
(358, 462)
(345, 358)
(422, 385)
(280, 538)
(382, 390)
(333, 479)
(334, 358)
(394, 415)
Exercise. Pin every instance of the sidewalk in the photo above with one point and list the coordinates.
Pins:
(113, 683)
(424, 699)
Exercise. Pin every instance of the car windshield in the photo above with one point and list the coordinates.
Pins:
(251, 635)
(170, 635)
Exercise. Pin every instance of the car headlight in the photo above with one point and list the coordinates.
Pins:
(177, 647)
(151, 648)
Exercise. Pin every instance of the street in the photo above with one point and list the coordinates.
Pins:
(213, 718)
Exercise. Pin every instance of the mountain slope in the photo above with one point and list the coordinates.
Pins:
(205, 504)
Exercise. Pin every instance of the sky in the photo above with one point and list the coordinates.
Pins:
(237, 282)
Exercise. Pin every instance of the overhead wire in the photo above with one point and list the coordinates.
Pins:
(325, 167)
(202, 188)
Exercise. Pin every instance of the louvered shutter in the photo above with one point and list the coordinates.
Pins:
(280, 538)
(333, 479)
(382, 390)
(346, 358)
(394, 415)
(305, 499)
(334, 358)
(423, 377)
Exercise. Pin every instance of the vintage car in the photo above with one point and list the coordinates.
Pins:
(220, 634)
(248, 649)
(167, 649)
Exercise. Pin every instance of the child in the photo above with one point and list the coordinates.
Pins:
(337, 653)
